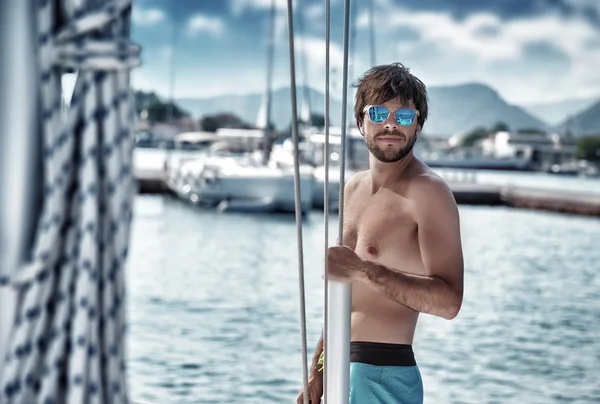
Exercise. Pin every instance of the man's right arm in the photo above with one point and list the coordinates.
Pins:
(314, 368)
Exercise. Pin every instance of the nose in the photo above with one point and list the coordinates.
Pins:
(390, 122)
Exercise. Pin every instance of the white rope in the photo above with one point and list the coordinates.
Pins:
(67, 343)
(297, 199)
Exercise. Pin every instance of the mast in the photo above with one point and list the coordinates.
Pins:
(305, 75)
(20, 145)
(171, 105)
(267, 140)
(372, 33)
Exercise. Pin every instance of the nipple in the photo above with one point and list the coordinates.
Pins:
(373, 250)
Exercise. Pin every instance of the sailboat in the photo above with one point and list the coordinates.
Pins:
(236, 175)
(231, 176)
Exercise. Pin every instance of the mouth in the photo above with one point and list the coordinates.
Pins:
(390, 138)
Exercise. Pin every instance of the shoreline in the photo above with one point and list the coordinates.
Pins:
(470, 193)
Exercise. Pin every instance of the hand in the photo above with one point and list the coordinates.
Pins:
(343, 265)
(315, 389)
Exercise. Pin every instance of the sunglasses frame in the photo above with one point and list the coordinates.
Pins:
(390, 111)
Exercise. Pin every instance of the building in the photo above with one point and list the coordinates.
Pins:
(543, 151)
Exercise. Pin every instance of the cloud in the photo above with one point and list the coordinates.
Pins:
(314, 12)
(239, 6)
(147, 81)
(504, 9)
(147, 16)
(485, 35)
(204, 23)
(527, 58)
(313, 49)
(529, 50)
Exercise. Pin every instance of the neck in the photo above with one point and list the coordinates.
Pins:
(385, 174)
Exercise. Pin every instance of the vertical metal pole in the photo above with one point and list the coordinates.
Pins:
(19, 145)
(339, 294)
(267, 139)
(372, 33)
(171, 105)
(326, 159)
(297, 197)
(305, 75)
(167, 164)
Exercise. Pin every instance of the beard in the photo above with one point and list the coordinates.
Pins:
(390, 154)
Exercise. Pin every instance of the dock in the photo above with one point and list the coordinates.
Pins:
(550, 200)
(465, 193)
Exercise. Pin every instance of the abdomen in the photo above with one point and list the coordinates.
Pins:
(379, 319)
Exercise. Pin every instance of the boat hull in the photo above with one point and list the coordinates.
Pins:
(229, 186)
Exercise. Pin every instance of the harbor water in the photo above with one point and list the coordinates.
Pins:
(214, 308)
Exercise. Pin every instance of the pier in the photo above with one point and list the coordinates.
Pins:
(466, 192)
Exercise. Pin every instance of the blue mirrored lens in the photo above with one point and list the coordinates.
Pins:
(378, 114)
(405, 117)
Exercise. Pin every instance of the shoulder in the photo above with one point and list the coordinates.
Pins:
(428, 183)
(430, 192)
(354, 182)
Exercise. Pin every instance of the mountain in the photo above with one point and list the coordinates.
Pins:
(582, 124)
(247, 106)
(557, 112)
(461, 108)
(453, 109)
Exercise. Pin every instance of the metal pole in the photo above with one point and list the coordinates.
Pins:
(19, 145)
(171, 103)
(326, 158)
(267, 139)
(339, 294)
(170, 106)
(297, 198)
(372, 33)
(305, 75)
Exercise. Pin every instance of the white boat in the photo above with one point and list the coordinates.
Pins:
(240, 183)
(314, 152)
(334, 187)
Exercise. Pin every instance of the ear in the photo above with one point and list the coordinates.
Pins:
(360, 127)
(418, 129)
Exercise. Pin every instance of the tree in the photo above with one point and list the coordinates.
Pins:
(211, 123)
(158, 111)
(531, 131)
(317, 120)
(588, 148)
(500, 127)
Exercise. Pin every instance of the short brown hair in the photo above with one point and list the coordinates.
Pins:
(382, 83)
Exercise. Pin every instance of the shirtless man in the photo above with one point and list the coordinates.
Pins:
(402, 250)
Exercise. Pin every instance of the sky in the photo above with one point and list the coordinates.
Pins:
(530, 51)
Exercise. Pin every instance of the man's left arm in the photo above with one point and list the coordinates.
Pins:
(440, 293)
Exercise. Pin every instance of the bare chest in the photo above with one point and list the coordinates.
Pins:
(381, 230)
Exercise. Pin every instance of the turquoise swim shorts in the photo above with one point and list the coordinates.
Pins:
(382, 373)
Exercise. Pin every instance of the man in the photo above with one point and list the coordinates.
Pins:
(402, 250)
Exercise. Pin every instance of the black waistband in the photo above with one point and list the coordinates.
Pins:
(382, 354)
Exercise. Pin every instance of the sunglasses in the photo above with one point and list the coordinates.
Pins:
(379, 114)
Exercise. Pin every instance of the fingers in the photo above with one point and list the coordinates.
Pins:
(311, 400)
(300, 399)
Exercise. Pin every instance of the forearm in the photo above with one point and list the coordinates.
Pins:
(314, 368)
(424, 294)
